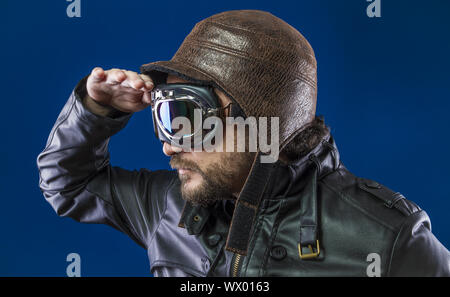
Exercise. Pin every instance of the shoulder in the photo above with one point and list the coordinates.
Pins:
(380, 203)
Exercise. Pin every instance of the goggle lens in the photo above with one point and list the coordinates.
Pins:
(169, 110)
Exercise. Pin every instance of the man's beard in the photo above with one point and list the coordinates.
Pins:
(217, 180)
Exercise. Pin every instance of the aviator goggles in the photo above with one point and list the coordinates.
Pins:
(194, 104)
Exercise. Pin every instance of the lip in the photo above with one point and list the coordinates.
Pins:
(184, 170)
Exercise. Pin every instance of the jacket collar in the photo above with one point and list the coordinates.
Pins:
(265, 181)
(325, 157)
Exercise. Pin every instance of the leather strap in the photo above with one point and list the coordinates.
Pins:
(308, 214)
(247, 206)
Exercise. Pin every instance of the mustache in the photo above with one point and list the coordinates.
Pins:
(177, 162)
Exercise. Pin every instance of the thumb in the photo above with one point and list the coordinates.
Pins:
(98, 74)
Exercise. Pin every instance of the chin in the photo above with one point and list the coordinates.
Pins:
(191, 181)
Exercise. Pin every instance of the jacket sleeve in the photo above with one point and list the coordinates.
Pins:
(78, 181)
(417, 252)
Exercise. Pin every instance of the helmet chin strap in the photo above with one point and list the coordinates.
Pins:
(247, 204)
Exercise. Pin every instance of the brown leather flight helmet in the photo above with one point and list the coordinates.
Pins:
(265, 65)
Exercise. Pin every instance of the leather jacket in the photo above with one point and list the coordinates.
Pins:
(316, 200)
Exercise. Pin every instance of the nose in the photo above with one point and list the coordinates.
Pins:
(170, 150)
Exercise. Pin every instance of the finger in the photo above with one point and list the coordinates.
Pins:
(134, 80)
(98, 74)
(147, 98)
(115, 76)
(148, 81)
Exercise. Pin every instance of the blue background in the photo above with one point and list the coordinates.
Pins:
(383, 89)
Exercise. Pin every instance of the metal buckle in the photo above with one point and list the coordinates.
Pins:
(310, 255)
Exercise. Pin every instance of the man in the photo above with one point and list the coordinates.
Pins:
(229, 213)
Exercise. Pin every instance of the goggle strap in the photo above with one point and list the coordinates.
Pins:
(222, 110)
